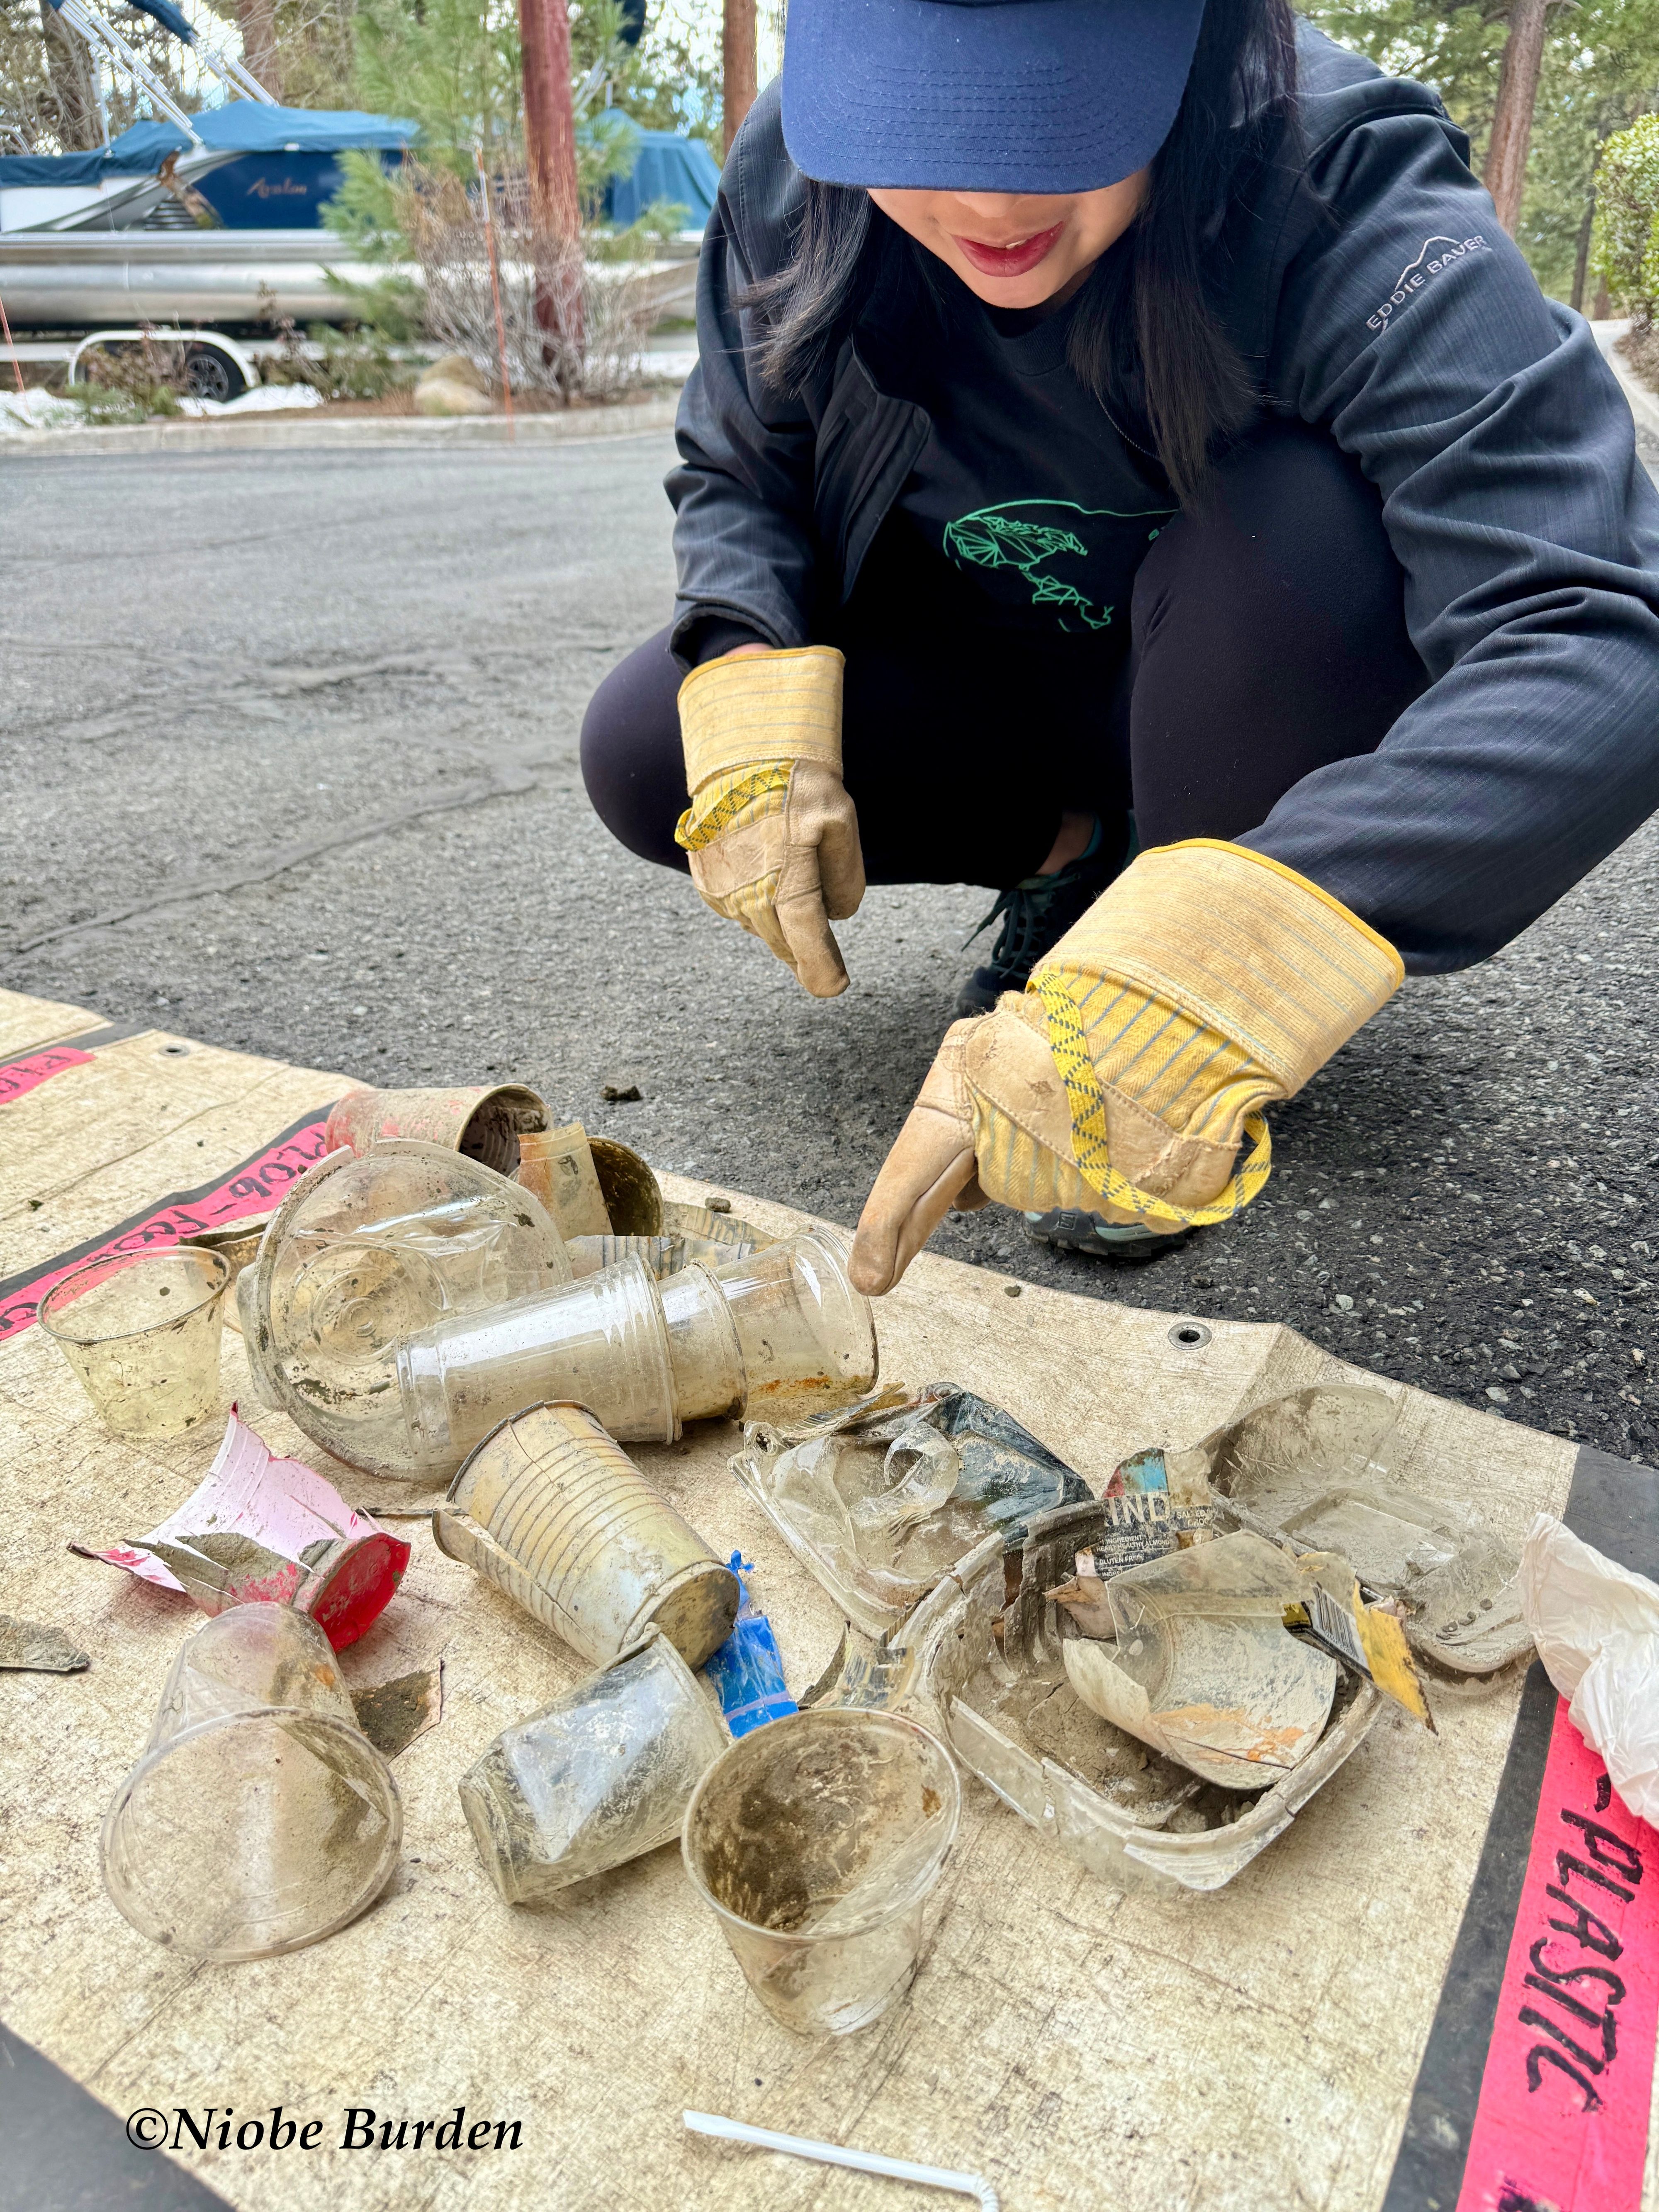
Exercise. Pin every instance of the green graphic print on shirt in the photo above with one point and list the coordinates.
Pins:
(1040, 537)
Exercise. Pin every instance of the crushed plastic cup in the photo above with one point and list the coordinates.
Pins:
(553, 1511)
(260, 1818)
(557, 1164)
(141, 1330)
(1315, 1469)
(363, 1252)
(1203, 1668)
(807, 1337)
(712, 1238)
(661, 1254)
(484, 1123)
(598, 1342)
(604, 1775)
(817, 1842)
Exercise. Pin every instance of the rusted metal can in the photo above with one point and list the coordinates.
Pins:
(554, 1512)
(484, 1123)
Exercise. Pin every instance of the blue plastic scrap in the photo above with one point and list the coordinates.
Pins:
(748, 1669)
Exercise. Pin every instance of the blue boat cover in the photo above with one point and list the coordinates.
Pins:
(680, 170)
(240, 126)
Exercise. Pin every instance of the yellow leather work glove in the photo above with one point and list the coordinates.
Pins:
(772, 836)
(1204, 982)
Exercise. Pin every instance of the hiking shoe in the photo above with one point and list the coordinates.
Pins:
(1036, 914)
(1069, 1229)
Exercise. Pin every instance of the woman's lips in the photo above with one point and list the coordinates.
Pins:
(1010, 260)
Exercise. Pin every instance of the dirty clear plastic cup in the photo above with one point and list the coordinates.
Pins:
(260, 1818)
(807, 1337)
(817, 1841)
(552, 1511)
(597, 1342)
(602, 1775)
(142, 1331)
(703, 1348)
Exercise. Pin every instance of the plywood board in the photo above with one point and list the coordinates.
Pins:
(1077, 2045)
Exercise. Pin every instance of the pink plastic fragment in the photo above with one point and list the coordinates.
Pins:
(261, 1530)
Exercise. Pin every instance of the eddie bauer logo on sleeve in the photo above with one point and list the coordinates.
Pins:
(1435, 254)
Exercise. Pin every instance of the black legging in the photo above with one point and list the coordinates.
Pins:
(1268, 638)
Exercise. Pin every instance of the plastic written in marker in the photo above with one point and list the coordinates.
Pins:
(1565, 2100)
(747, 1670)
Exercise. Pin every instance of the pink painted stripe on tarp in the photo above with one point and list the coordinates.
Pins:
(19, 1076)
(1562, 2120)
(252, 1187)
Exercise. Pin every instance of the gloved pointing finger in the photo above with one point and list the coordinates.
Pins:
(1206, 982)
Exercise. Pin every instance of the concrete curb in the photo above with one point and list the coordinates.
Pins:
(356, 434)
(1644, 405)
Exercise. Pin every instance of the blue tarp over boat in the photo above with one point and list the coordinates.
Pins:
(682, 171)
(240, 126)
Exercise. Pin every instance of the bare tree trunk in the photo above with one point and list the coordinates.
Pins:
(70, 66)
(738, 64)
(550, 132)
(257, 20)
(1517, 95)
(1581, 258)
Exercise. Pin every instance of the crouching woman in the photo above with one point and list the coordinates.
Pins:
(1129, 468)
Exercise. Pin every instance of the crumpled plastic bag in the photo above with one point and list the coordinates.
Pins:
(1596, 1626)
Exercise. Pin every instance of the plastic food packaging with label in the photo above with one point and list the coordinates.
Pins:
(260, 1817)
(141, 1333)
(553, 1511)
(817, 1842)
(602, 1775)
(361, 1252)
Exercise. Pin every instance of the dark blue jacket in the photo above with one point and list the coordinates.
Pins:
(1368, 283)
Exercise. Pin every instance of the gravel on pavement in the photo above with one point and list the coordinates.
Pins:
(289, 764)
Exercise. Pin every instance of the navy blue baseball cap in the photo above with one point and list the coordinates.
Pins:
(983, 96)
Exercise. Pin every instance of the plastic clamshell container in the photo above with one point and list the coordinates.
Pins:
(361, 1252)
(260, 1818)
(1092, 1789)
(882, 1500)
(1315, 1467)
(141, 1333)
(602, 1775)
(817, 1842)
(552, 1511)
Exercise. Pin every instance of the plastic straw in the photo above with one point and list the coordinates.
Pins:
(862, 2161)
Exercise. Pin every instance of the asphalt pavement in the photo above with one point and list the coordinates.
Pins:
(289, 759)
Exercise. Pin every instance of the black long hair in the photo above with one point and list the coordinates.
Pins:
(1145, 337)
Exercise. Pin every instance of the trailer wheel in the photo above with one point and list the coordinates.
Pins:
(212, 374)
